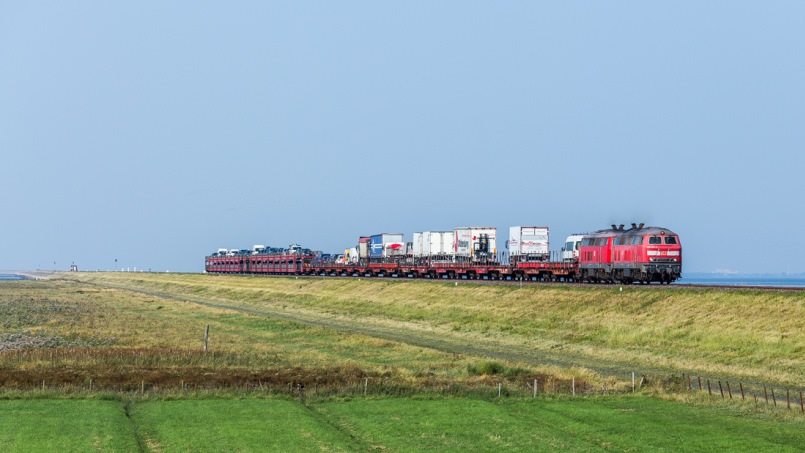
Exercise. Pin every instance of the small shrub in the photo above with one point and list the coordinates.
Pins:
(486, 368)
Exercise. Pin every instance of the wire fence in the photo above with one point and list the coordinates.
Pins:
(759, 395)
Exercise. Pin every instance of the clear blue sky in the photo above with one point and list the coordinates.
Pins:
(155, 132)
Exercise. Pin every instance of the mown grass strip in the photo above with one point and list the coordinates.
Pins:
(65, 425)
(210, 423)
(215, 425)
(618, 423)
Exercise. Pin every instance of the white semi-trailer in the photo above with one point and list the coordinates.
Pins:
(528, 243)
(475, 244)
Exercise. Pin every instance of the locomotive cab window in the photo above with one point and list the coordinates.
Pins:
(670, 240)
(655, 240)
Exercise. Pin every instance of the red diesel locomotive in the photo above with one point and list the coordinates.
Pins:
(637, 255)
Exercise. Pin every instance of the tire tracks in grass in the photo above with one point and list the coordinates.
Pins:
(135, 430)
(359, 444)
(446, 342)
(449, 342)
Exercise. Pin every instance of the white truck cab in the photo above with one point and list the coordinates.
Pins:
(570, 252)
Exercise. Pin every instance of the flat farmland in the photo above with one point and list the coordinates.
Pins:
(34, 424)
(359, 365)
(215, 424)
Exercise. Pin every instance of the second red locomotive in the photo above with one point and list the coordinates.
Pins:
(637, 255)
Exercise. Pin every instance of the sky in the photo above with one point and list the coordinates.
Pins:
(149, 134)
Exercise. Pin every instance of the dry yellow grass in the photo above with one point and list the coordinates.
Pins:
(746, 334)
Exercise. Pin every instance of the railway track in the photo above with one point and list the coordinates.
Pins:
(672, 286)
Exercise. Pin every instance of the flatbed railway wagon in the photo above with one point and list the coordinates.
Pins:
(309, 264)
(284, 263)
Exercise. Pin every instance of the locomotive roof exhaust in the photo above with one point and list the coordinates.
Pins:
(634, 226)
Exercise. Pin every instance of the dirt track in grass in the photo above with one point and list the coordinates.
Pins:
(414, 334)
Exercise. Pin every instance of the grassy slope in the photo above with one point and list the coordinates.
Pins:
(156, 338)
(85, 315)
(748, 334)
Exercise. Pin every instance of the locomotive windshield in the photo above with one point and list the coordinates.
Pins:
(670, 240)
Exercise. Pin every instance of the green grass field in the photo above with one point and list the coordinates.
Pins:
(65, 425)
(227, 425)
(618, 423)
(441, 349)
(388, 424)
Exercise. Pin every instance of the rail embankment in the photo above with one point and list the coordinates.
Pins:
(753, 336)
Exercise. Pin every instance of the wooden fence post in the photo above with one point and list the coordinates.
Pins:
(766, 394)
(709, 390)
(773, 398)
(801, 404)
(206, 336)
(742, 390)
(700, 382)
(729, 390)
(574, 385)
(535, 388)
(689, 386)
(632, 381)
(787, 398)
(721, 388)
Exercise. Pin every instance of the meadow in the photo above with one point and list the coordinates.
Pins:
(356, 364)
(236, 423)
(748, 335)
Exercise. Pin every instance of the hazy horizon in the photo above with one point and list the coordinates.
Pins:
(149, 135)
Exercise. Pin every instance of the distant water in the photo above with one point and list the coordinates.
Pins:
(744, 280)
(11, 277)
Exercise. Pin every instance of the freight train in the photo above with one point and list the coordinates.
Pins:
(639, 254)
